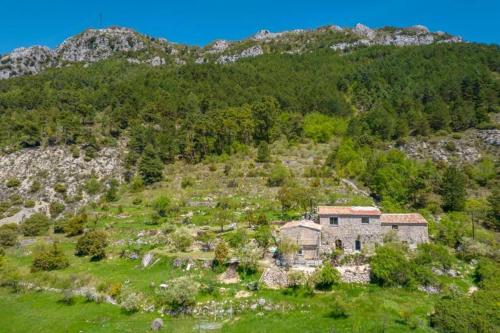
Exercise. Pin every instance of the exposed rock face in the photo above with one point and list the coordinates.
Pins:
(266, 34)
(469, 148)
(253, 51)
(55, 165)
(364, 31)
(26, 61)
(98, 44)
(219, 46)
(94, 45)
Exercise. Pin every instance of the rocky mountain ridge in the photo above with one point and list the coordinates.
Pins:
(94, 45)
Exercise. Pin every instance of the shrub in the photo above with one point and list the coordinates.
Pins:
(60, 188)
(295, 279)
(56, 208)
(131, 301)
(338, 309)
(112, 192)
(221, 253)
(390, 267)
(13, 182)
(263, 236)
(434, 255)
(320, 127)
(35, 186)
(278, 176)
(161, 205)
(92, 186)
(187, 182)
(326, 277)
(180, 294)
(182, 239)
(8, 235)
(35, 225)
(75, 225)
(237, 238)
(487, 273)
(137, 184)
(478, 313)
(92, 243)
(29, 203)
(48, 259)
(249, 256)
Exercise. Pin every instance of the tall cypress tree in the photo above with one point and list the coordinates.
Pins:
(453, 189)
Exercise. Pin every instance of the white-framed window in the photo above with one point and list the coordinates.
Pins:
(394, 227)
(365, 220)
(334, 220)
(300, 252)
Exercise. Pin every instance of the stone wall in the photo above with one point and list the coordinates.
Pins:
(307, 239)
(413, 234)
(350, 229)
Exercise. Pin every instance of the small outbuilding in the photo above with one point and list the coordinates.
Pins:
(307, 235)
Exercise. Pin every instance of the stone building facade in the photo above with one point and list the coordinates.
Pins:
(352, 229)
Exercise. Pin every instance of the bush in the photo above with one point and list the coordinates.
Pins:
(35, 186)
(29, 203)
(92, 243)
(92, 186)
(131, 301)
(35, 225)
(487, 273)
(187, 182)
(8, 235)
(75, 225)
(60, 188)
(338, 309)
(478, 313)
(237, 238)
(434, 255)
(320, 127)
(249, 256)
(390, 267)
(112, 192)
(221, 253)
(295, 279)
(278, 176)
(182, 239)
(180, 294)
(161, 205)
(56, 208)
(48, 259)
(13, 182)
(326, 277)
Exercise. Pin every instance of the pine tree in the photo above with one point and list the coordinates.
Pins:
(150, 166)
(263, 154)
(453, 189)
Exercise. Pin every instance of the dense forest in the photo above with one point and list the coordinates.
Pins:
(370, 96)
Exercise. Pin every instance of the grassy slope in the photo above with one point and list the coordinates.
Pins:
(371, 308)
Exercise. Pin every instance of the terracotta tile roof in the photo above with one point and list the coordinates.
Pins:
(302, 223)
(348, 210)
(413, 218)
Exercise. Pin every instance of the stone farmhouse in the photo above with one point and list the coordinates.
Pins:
(352, 229)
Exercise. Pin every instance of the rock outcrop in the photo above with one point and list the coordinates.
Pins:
(94, 45)
(55, 174)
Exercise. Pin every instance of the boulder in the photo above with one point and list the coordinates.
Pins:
(157, 324)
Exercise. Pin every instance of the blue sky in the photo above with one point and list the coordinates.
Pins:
(29, 22)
